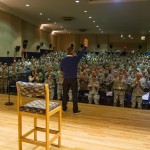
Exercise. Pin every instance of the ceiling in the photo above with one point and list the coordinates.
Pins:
(110, 16)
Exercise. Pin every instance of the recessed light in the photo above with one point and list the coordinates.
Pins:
(27, 5)
(77, 1)
(100, 29)
(85, 11)
(49, 19)
(93, 21)
(97, 26)
(41, 13)
(90, 17)
(121, 35)
(129, 35)
(143, 38)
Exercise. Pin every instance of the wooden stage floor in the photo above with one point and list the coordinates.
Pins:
(96, 128)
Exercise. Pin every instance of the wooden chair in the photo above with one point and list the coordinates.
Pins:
(37, 109)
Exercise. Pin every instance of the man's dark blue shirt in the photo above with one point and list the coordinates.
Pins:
(69, 64)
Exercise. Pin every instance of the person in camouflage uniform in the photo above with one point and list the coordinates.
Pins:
(93, 87)
(138, 90)
(59, 86)
(128, 81)
(51, 84)
(83, 85)
(40, 75)
(106, 81)
(119, 88)
(4, 78)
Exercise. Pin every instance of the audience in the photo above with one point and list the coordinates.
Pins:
(123, 75)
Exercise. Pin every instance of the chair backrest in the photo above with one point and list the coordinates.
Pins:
(32, 89)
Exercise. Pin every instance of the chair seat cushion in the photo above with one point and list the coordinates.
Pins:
(38, 106)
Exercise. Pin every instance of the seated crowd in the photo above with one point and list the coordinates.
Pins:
(97, 74)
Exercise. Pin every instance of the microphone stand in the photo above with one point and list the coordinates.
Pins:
(9, 103)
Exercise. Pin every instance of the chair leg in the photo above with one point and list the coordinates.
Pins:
(35, 132)
(59, 127)
(47, 133)
(19, 131)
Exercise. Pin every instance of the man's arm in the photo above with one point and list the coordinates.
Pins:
(80, 55)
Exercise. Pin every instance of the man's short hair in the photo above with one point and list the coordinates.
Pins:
(69, 50)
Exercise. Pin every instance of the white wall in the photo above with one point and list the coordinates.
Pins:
(10, 33)
(14, 30)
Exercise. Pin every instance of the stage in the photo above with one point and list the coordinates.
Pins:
(96, 128)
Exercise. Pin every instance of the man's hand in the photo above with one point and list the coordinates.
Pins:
(85, 42)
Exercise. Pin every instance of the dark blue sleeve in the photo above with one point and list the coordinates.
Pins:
(61, 66)
(80, 55)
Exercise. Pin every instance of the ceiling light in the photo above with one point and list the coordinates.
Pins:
(85, 11)
(97, 26)
(121, 35)
(93, 21)
(90, 17)
(100, 29)
(77, 1)
(41, 13)
(143, 38)
(61, 27)
(27, 5)
(49, 19)
(129, 35)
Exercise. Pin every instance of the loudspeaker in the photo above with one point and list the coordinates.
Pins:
(17, 48)
(38, 47)
(111, 46)
(25, 41)
(50, 45)
(25, 45)
(98, 46)
(81, 45)
(72, 45)
(140, 46)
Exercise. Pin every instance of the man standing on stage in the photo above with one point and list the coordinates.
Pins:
(69, 66)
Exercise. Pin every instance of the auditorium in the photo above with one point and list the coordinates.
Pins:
(74, 74)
